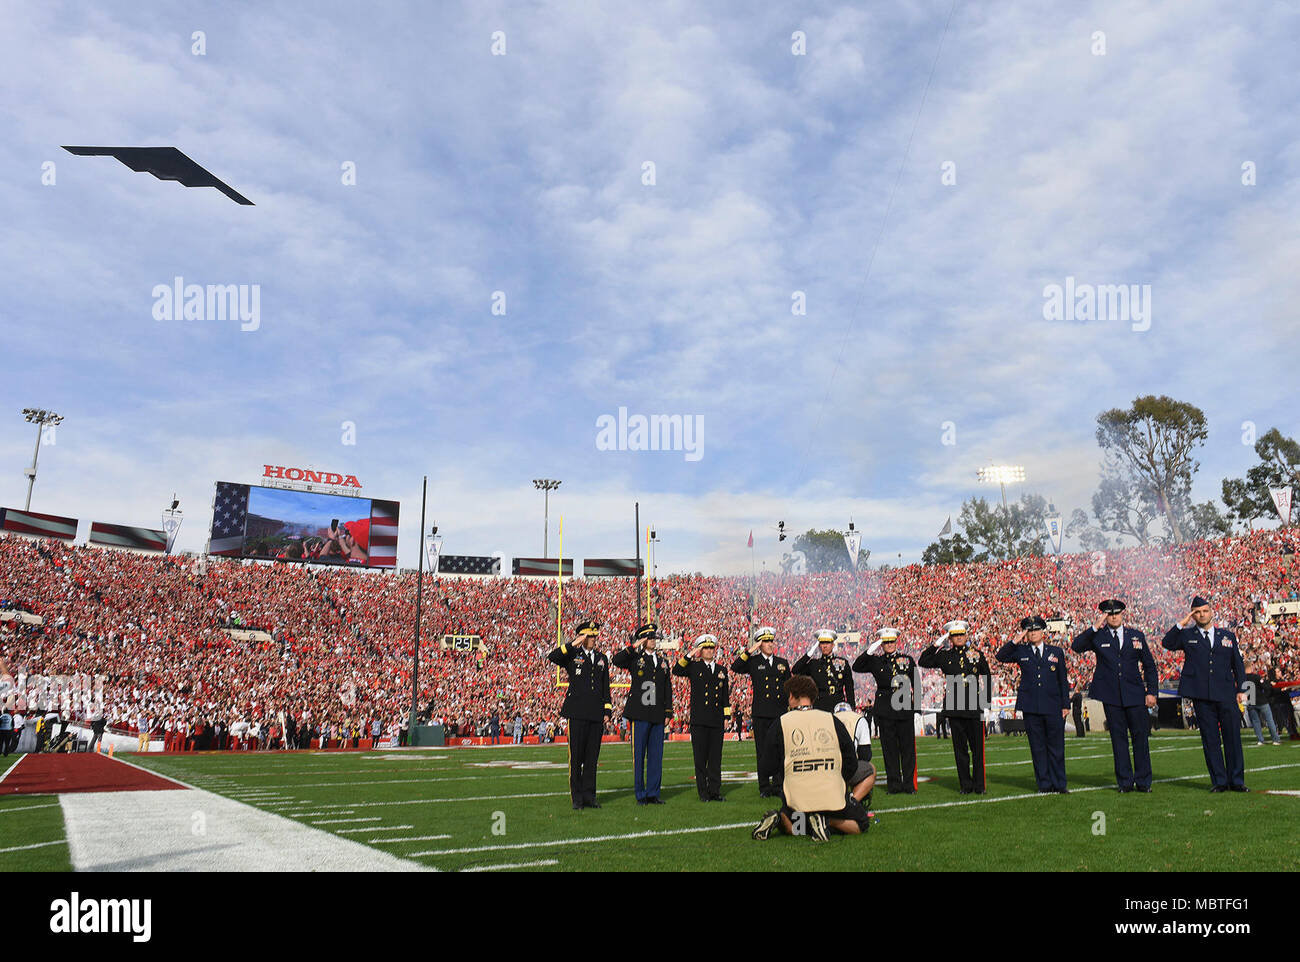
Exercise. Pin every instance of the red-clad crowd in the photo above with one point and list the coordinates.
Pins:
(332, 648)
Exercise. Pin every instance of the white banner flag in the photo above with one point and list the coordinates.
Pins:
(1282, 501)
(1053, 523)
(853, 542)
(434, 546)
(171, 522)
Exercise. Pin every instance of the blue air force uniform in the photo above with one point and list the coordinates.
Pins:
(649, 705)
(1213, 673)
(1126, 673)
(1042, 695)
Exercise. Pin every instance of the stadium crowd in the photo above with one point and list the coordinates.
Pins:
(326, 652)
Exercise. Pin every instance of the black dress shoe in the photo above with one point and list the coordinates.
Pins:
(1217, 788)
(979, 791)
(893, 791)
(1240, 788)
(656, 800)
(577, 806)
(642, 801)
(717, 798)
(965, 791)
(1125, 789)
(1062, 791)
(1146, 789)
(592, 804)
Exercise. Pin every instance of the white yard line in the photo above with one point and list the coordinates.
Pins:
(22, 848)
(12, 767)
(23, 808)
(409, 838)
(340, 821)
(510, 865)
(376, 828)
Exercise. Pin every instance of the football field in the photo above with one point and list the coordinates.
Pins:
(506, 808)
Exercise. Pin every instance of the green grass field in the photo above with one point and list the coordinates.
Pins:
(506, 807)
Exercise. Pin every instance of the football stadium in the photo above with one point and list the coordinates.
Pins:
(906, 392)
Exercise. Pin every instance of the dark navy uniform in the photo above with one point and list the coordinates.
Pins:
(1213, 673)
(768, 677)
(710, 708)
(649, 704)
(968, 688)
(833, 676)
(1042, 695)
(586, 705)
(897, 679)
(1126, 673)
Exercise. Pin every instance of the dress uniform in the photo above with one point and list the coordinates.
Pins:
(1126, 683)
(833, 675)
(586, 705)
(710, 708)
(1043, 697)
(768, 674)
(1213, 676)
(649, 704)
(968, 687)
(894, 710)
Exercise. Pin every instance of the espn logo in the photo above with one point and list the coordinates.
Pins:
(813, 764)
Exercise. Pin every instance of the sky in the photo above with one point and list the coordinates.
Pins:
(561, 210)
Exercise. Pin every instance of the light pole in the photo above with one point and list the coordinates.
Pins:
(547, 485)
(1002, 474)
(654, 540)
(40, 418)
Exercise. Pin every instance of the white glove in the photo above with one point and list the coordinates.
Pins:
(939, 641)
(874, 647)
(815, 651)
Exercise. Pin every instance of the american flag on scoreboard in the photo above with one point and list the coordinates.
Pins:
(383, 533)
(229, 518)
(39, 525)
(469, 564)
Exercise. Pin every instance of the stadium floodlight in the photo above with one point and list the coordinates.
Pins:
(547, 485)
(40, 417)
(1002, 475)
(654, 540)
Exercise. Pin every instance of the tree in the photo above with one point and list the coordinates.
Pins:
(825, 551)
(952, 550)
(1121, 509)
(1149, 449)
(1205, 521)
(1016, 531)
(1249, 500)
(1091, 538)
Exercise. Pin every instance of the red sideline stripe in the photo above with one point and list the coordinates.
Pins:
(79, 772)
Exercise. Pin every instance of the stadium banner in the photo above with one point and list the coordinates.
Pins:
(126, 536)
(1282, 501)
(1276, 609)
(469, 564)
(171, 522)
(1054, 531)
(279, 524)
(541, 567)
(38, 525)
(853, 545)
(612, 567)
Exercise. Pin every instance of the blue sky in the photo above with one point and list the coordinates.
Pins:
(522, 173)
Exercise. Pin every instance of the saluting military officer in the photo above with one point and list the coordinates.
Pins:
(832, 674)
(586, 704)
(768, 673)
(649, 704)
(1214, 678)
(897, 677)
(1043, 697)
(967, 691)
(1126, 682)
(710, 708)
